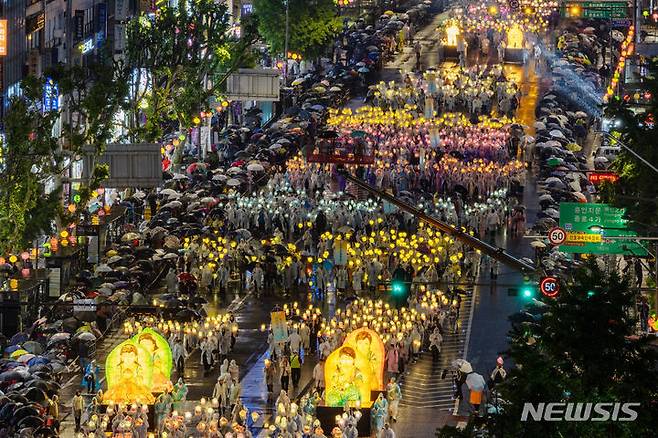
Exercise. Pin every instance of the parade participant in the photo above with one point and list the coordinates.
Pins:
(179, 393)
(379, 413)
(295, 368)
(393, 395)
(318, 376)
(435, 343)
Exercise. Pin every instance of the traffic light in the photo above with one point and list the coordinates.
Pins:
(398, 287)
(527, 291)
(590, 293)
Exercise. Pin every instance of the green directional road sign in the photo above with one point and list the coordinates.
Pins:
(600, 9)
(583, 221)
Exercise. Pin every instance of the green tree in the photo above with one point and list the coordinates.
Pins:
(35, 154)
(95, 94)
(29, 158)
(582, 350)
(180, 58)
(636, 188)
(312, 24)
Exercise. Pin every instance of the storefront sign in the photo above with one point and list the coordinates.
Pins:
(101, 18)
(50, 96)
(3, 37)
(87, 46)
(599, 177)
(84, 305)
(79, 24)
(87, 230)
(35, 22)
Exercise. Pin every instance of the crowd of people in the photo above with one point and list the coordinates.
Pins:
(475, 90)
(419, 325)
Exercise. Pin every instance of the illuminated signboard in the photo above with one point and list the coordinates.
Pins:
(87, 46)
(50, 96)
(599, 177)
(3, 37)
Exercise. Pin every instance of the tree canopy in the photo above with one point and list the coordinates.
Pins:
(313, 23)
(582, 350)
(181, 57)
(636, 188)
(36, 155)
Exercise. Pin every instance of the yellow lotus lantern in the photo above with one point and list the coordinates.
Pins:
(452, 33)
(515, 37)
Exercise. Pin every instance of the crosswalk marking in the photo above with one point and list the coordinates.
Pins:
(422, 386)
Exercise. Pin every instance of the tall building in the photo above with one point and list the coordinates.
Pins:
(12, 64)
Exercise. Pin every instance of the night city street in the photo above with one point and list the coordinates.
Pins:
(328, 219)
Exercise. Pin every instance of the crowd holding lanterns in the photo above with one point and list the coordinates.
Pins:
(476, 90)
(308, 230)
(530, 15)
(364, 347)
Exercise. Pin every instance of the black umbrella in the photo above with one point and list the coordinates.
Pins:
(328, 134)
(70, 325)
(34, 394)
(24, 412)
(40, 367)
(7, 410)
(11, 375)
(44, 432)
(31, 421)
(18, 398)
(198, 300)
(186, 315)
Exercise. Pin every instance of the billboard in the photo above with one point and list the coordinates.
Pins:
(253, 84)
(130, 165)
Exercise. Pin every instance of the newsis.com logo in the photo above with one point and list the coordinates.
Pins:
(579, 411)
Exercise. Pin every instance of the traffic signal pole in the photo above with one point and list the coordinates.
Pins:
(486, 248)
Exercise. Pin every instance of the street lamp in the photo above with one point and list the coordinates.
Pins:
(287, 39)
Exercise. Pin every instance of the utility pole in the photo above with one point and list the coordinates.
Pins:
(285, 45)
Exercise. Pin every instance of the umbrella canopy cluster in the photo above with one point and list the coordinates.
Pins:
(28, 377)
(563, 120)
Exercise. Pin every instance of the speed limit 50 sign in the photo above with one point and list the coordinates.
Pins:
(549, 286)
(557, 236)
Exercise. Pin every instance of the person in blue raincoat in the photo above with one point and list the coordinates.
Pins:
(90, 377)
(379, 412)
(162, 408)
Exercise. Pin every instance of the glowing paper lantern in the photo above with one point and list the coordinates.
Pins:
(160, 352)
(347, 384)
(515, 37)
(369, 345)
(128, 372)
(452, 32)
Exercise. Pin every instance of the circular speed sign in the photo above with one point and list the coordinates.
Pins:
(549, 286)
(557, 236)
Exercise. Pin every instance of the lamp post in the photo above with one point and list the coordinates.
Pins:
(286, 42)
